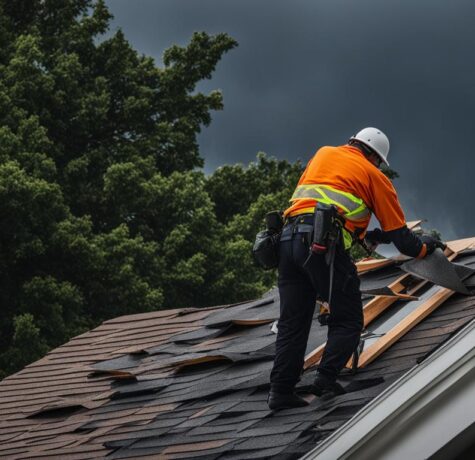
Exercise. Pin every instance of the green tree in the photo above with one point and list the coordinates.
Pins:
(233, 188)
(243, 196)
(102, 210)
(27, 345)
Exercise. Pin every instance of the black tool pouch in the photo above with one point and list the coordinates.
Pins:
(323, 228)
(266, 245)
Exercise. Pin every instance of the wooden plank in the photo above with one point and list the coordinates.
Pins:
(411, 320)
(417, 315)
(371, 311)
(414, 224)
(314, 357)
(365, 265)
(461, 245)
(379, 304)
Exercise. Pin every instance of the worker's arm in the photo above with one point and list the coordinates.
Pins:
(406, 241)
(389, 212)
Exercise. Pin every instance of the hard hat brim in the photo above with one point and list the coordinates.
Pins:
(386, 162)
(371, 148)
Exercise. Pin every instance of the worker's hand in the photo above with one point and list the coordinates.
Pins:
(375, 237)
(432, 244)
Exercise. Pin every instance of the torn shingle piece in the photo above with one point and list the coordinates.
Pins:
(200, 334)
(120, 363)
(150, 388)
(224, 357)
(379, 279)
(224, 317)
(437, 269)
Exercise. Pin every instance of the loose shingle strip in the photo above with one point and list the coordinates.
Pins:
(386, 291)
(438, 270)
(226, 316)
(379, 279)
(200, 334)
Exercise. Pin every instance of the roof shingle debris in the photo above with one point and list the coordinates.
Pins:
(192, 383)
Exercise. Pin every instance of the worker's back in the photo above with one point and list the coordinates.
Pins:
(345, 168)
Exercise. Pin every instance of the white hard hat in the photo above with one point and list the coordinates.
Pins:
(376, 140)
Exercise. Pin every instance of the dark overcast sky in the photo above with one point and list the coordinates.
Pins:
(309, 73)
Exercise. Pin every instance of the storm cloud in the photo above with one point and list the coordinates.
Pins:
(309, 73)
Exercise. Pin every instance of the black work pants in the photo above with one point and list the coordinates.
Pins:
(299, 288)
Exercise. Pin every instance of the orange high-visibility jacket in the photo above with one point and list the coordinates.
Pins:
(346, 169)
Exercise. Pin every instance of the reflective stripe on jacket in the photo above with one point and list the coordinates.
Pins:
(349, 206)
(344, 177)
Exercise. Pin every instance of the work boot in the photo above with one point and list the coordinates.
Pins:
(323, 385)
(277, 401)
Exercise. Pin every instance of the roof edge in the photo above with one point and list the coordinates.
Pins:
(407, 405)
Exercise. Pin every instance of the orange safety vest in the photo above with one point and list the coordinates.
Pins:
(344, 177)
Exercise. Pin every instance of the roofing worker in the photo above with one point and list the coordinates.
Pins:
(349, 178)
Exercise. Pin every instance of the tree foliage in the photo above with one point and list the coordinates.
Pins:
(103, 212)
(104, 208)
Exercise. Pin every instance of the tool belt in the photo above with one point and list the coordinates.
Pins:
(322, 229)
(303, 223)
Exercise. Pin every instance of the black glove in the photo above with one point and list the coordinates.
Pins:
(377, 236)
(432, 243)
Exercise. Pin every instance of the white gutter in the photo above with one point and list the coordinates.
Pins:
(418, 414)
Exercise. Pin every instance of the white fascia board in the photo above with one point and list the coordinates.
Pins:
(418, 414)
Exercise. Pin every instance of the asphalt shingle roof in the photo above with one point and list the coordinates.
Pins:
(192, 384)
